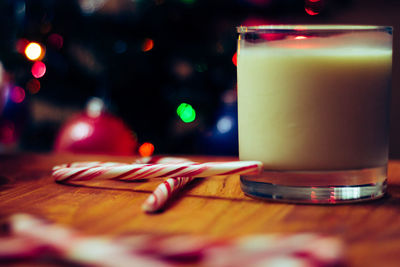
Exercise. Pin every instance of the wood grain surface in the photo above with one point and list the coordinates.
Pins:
(213, 206)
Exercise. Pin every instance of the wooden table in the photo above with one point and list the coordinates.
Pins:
(214, 206)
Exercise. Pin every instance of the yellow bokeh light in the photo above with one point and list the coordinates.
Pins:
(34, 51)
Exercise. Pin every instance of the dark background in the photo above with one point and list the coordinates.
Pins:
(105, 53)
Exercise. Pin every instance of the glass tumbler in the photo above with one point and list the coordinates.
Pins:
(313, 106)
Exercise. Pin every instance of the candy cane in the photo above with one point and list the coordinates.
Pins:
(166, 189)
(33, 237)
(140, 171)
(78, 248)
(164, 192)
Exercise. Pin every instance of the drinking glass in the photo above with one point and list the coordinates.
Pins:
(313, 106)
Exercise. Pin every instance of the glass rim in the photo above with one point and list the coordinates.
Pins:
(312, 27)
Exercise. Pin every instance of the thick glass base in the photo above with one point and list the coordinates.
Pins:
(317, 187)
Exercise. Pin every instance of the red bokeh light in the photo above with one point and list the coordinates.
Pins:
(311, 12)
(17, 94)
(255, 22)
(55, 40)
(259, 2)
(33, 86)
(313, 7)
(38, 69)
(234, 59)
(20, 45)
(7, 132)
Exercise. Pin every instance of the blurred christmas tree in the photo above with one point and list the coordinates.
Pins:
(143, 58)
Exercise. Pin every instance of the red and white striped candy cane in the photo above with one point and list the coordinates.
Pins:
(61, 242)
(141, 171)
(166, 189)
(73, 246)
(164, 192)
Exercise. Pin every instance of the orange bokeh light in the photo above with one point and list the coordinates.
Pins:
(147, 45)
(146, 149)
(300, 37)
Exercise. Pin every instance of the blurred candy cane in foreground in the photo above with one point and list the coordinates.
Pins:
(31, 238)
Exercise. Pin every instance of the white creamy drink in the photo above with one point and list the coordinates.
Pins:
(315, 103)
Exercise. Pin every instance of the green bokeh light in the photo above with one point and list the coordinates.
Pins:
(188, 1)
(186, 112)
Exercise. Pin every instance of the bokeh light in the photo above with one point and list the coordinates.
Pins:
(146, 149)
(46, 27)
(189, 2)
(259, 2)
(225, 124)
(33, 86)
(186, 112)
(95, 107)
(120, 47)
(34, 51)
(234, 59)
(182, 69)
(313, 7)
(229, 96)
(147, 45)
(300, 37)
(255, 21)
(7, 132)
(311, 12)
(38, 69)
(21, 45)
(17, 94)
(81, 130)
(55, 40)
(202, 67)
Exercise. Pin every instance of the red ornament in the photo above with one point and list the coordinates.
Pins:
(96, 134)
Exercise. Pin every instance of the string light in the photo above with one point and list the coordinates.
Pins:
(34, 51)
(186, 112)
